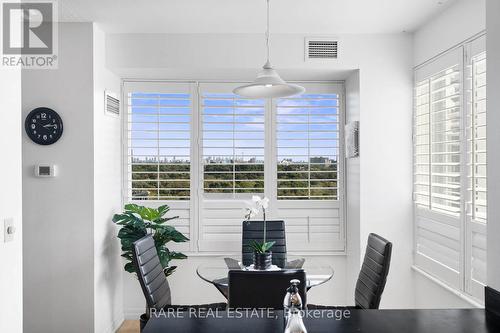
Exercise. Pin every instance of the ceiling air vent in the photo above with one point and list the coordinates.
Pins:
(111, 104)
(321, 48)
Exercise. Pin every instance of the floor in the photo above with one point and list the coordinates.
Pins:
(129, 326)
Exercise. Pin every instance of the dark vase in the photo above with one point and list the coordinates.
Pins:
(262, 261)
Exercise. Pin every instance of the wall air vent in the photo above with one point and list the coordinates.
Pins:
(321, 48)
(111, 104)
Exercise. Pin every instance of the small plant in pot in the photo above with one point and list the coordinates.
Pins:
(262, 256)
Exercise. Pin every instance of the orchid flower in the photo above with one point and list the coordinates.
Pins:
(253, 208)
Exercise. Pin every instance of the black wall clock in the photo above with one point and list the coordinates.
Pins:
(43, 126)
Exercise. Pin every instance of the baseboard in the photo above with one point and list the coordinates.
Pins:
(116, 325)
(492, 305)
(133, 313)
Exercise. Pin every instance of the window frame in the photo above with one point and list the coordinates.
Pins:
(460, 226)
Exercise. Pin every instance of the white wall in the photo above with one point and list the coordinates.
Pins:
(463, 19)
(11, 279)
(58, 212)
(385, 104)
(386, 158)
(353, 196)
(493, 123)
(72, 265)
(108, 288)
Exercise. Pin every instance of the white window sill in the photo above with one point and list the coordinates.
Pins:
(237, 254)
(467, 298)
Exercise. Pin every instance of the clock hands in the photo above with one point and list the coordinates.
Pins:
(50, 125)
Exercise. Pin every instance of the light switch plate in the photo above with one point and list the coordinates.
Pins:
(8, 230)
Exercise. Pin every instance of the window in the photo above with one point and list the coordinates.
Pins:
(437, 146)
(476, 126)
(233, 144)
(450, 168)
(205, 151)
(475, 265)
(307, 147)
(159, 146)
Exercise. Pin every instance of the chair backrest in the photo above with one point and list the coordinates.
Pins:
(254, 231)
(263, 289)
(150, 273)
(373, 274)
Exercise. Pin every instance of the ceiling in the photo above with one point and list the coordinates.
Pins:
(248, 16)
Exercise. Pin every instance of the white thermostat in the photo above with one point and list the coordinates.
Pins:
(45, 170)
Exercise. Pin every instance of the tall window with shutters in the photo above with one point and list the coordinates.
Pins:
(476, 204)
(205, 151)
(450, 167)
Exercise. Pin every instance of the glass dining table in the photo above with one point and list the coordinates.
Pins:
(216, 271)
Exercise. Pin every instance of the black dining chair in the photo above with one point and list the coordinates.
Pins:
(373, 274)
(153, 281)
(275, 232)
(263, 289)
(254, 231)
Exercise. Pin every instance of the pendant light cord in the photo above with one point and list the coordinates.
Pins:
(268, 36)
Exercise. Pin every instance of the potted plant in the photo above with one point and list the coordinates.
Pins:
(138, 221)
(262, 256)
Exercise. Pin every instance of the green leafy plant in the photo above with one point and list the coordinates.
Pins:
(138, 221)
(261, 247)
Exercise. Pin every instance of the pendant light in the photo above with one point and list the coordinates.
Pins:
(268, 83)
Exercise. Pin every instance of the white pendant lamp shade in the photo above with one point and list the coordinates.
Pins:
(268, 83)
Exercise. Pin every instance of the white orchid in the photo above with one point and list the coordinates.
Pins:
(260, 202)
(253, 208)
(251, 212)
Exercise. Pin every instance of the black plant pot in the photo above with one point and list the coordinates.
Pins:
(143, 321)
(262, 261)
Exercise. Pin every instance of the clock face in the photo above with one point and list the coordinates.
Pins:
(44, 126)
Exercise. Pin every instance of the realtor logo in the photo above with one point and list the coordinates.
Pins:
(29, 34)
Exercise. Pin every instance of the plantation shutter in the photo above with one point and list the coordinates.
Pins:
(205, 152)
(476, 169)
(309, 167)
(232, 163)
(157, 150)
(437, 167)
(251, 146)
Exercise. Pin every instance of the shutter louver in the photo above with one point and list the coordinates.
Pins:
(476, 184)
(157, 155)
(445, 141)
(233, 144)
(307, 147)
(308, 130)
(437, 168)
(159, 146)
(232, 170)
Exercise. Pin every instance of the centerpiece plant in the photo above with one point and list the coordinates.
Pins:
(138, 221)
(262, 253)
